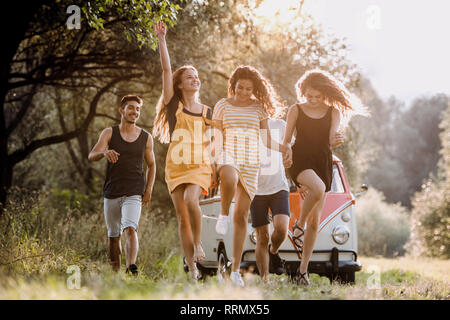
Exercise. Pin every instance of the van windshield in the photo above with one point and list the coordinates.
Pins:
(336, 185)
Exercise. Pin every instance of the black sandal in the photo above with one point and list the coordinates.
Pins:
(303, 279)
(298, 240)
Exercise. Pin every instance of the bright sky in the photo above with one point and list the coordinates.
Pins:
(402, 46)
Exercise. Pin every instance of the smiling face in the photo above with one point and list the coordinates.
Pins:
(190, 80)
(243, 91)
(130, 111)
(314, 97)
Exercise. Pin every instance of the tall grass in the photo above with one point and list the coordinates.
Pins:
(44, 233)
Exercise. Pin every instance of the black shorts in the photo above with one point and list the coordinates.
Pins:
(278, 203)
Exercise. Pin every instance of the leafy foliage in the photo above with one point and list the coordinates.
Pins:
(383, 228)
(431, 206)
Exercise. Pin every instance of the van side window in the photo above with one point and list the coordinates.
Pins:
(336, 185)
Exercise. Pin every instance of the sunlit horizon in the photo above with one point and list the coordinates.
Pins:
(398, 45)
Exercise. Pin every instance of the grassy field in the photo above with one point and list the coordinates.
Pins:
(39, 242)
(401, 278)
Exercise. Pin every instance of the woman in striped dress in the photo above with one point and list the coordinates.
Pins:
(238, 120)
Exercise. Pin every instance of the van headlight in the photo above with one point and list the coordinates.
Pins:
(252, 236)
(340, 234)
(345, 216)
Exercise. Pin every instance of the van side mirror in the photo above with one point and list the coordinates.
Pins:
(363, 190)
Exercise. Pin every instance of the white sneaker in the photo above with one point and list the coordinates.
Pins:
(222, 224)
(236, 278)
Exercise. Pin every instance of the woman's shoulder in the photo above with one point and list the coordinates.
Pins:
(278, 121)
(295, 107)
(221, 102)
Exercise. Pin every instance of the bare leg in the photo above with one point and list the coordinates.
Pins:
(115, 252)
(311, 210)
(184, 226)
(131, 246)
(191, 199)
(280, 227)
(262, 255)
(315, 188)
(229, 179)
(240, 220)
(311, 235)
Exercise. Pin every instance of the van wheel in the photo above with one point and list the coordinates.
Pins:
(347, 277)
(223, 266)
(344, 278)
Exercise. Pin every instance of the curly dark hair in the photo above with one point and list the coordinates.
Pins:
(263, 90)
(334, 92)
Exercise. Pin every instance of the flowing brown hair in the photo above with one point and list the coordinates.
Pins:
(263, 90)
(334, 92)
(160, 124)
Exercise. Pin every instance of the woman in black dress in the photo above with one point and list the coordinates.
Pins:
(319, 122)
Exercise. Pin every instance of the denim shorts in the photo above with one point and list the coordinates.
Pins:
(278, 203)
(121, 213)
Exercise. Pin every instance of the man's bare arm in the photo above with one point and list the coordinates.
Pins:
(100, 149)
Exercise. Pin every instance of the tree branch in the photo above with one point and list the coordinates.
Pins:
(21, 154)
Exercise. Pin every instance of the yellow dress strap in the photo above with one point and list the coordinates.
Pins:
(180, 108)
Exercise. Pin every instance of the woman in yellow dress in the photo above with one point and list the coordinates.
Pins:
(183, 121)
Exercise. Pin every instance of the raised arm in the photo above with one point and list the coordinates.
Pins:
(100, 149)
(160, 31)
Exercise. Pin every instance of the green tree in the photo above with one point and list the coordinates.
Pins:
(431, 206)
(405, 143)
(42, 51)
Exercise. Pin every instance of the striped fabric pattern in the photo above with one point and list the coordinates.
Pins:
(241, 130)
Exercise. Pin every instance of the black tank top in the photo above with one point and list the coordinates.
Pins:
(311, 149)
(313, 134)
(126, 177)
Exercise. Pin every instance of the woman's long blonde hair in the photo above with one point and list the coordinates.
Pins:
(160, 124)
(334, 92)
(263, 90)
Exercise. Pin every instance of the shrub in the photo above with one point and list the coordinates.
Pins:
(383, 228)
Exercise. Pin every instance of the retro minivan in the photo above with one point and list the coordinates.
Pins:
(335, 252)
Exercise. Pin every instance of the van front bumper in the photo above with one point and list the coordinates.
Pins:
(331, 268)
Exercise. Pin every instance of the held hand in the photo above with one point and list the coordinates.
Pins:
(337, 140)
(146, 198)
(303, 191)
(159, 29)
(214, 180)
(287, 156)
(111, 155)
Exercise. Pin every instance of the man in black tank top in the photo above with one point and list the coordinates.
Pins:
(127, 187)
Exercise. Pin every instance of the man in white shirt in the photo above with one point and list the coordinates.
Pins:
(273, 194)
